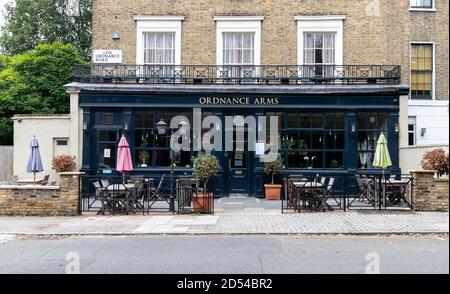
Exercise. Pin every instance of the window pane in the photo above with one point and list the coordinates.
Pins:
(162, 158)
(143, 158)
(159, 48)
(365, 159)
(382, 120)
(334, 160)
(305, 120)
(372, 120)
(317, 140)
(340, 120)
(317, 120)
(411, 140)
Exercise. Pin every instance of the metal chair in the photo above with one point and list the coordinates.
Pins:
(157, 194)
(45, 180)
(105, 182)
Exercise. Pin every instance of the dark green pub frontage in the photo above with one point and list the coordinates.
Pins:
(325, 125)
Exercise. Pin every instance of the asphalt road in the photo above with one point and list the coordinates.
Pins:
(226, 254)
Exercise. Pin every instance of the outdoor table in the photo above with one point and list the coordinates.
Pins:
(310, 188)
(122, 190)
(29, 181)
(391, 185)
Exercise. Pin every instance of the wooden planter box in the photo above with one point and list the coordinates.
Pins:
(203, 203)
(273, 192)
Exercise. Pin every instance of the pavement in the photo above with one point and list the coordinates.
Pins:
(219, 254)
(235, 215)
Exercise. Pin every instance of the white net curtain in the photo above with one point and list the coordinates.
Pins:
(159, 49)
(318, 52)
(238, 51)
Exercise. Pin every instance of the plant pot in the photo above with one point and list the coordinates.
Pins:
(273, 192)
(203, 203)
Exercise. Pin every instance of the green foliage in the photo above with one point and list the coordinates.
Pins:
(32, 22)
(274, 167)
(33, 83)
(205, 166)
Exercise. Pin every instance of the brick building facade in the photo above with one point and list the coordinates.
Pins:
(375, 31)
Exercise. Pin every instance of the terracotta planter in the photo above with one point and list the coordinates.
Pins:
(203, 203)
(273, 192)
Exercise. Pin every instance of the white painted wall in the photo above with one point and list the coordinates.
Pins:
(46, 128)
(433, 115)
(411, 156)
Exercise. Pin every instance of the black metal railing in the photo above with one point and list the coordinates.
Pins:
(317, 191)
(113, 194)
(239, 74)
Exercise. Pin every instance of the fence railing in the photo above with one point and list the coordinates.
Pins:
(142, 194)
(315, 191)
(239, 74)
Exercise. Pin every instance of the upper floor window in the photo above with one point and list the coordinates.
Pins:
(320, 44)
(319, 51)
(421, 71)
(159, 48)
(238, 48)
(158, 40)
(423, 4)
(238, 45)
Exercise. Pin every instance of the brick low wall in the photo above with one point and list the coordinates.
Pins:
(429, 193)
(31, 200)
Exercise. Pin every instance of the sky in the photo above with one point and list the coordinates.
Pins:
(2, 5)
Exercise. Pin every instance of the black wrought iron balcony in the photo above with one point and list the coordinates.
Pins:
(237, 74)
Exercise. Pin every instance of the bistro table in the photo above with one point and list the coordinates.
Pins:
(121, 189)
(29, 181)
(396, 190)
(313, 191)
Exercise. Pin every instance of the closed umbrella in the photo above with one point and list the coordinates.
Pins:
(124, 163)
(382, 159)
(34, 163)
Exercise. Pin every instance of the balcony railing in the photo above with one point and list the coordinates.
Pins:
(236, 74)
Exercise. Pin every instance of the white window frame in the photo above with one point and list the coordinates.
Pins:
(238, 24)
(412, 120)
(433, 77)
(321, 24)
(431, 9)
(158, 24)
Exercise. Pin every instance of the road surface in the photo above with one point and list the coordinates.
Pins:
(226, 254)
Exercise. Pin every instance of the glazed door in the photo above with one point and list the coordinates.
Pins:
(238, 173)
(106, 150)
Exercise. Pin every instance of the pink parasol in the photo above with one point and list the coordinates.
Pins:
(124, 163)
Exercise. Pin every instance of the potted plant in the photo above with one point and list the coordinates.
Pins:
(144, 156)
(205, 167)
(273, 191)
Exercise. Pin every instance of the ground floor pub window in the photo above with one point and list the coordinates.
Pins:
(370, 126)
(152, 134)
(314, 140)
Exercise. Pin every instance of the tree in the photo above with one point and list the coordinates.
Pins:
(33, 83)
(32, 22)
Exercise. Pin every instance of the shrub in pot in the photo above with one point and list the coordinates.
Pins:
(436, 160)
(64, 163)
(205, 167)
(272, 168)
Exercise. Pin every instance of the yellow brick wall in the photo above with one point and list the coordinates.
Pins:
(371, 36)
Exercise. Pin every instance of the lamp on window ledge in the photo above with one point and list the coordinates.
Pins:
(85, 126)
(161, 126)
(353, 128)
(125, 126)
(397, 128)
